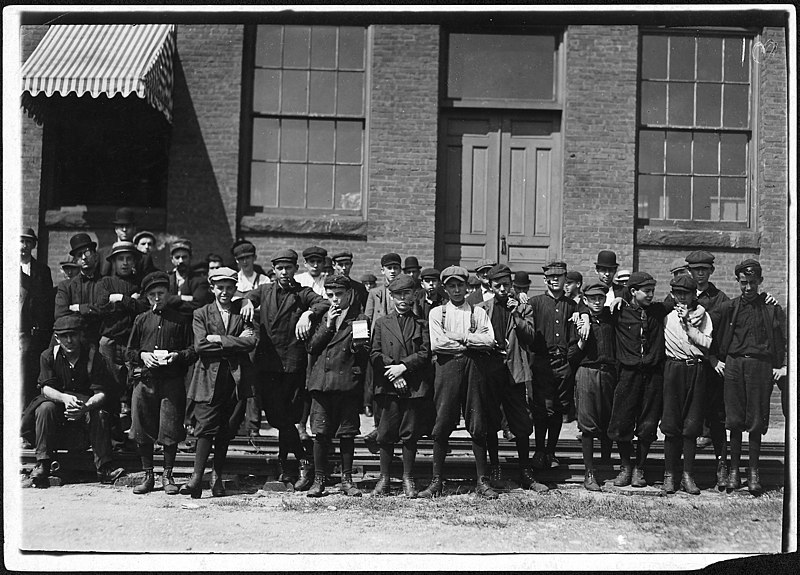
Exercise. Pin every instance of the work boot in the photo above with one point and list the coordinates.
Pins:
(669, 483)
(539, 461)
(734, 482)
(109, 474)
(318, 487)
(434, 489)
(409, 489)
(217, 485)
(688, 484)
(193, 487)
(624, 477)
(348, 487)
(306, 476)
(168, 483)
(484, 489)
(284, 473)
(722, 474)
(754, 482)
(382, 486)
(589, 482)
(496, 477)
(41, 473)
(147, 485)
(637, 478)
(527, 481)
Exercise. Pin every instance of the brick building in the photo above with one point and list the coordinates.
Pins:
(447, 137)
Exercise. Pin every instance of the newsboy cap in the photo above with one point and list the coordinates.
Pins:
(144, 234)
(574, 276)
(342, 255)
(80, 241)
(555, 269)
(498, 272)
(640, 280)
(485, 264)
(411, 263)
(683, 282)
(284, 256)
(244, 249)
(223, 273)
(678, 264)
(71, 322)
(314, 252)
(122, 247)
(622, 276)
(428, 273)
(700, 258)
(606, 259)
(363, 278)
(401, 283)
(337, 281)
(748, 266)
(153, 279)
(180, 244)
(454, 272)
(391, 258)
(594, 287)
(124, 216)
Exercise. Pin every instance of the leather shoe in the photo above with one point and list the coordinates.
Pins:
(589, 482)
(734, 482)
(528, 481)
(382, 486)
(637, 478)
(285, 472)
(348, 487)
(722, 474)
(317, 489)
(754, 482)
(109, 474)
(306, 477)
(688, 484)
(624, 477)
(147, 485)
(434, 489)
(193, 487)
(409, 489)
(41, 473)
(669, 483)
(496, 477)
(217, 484)
(484, 489)
(168, 482)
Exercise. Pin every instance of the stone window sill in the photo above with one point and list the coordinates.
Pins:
(100, 217)
(672, 237)
(333, 226)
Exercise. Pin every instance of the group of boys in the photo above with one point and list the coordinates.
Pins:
(210, 351)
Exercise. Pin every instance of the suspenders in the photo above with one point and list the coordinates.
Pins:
(472, 325)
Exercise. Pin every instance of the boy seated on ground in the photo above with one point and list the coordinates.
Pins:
(73, 380)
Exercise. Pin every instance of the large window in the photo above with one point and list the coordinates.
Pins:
(307, 118)
(696, 127)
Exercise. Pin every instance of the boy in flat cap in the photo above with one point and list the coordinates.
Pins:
(73, 381)
(286, 310)
(595, 377)
(183, 281)
(684, 383)
(554, 348)
(342, 264)
(750, 346)
(485, 292)
(145, 241)
(403, 376)
(222, 380)
(248, 277)
(431, 295)
(508, 373)
(338, 357)
(572, 287)
(369, 280)
(314, 258)
(461, 336)
(160, 352)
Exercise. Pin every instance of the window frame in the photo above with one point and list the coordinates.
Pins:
(751, 200)
(247, 120)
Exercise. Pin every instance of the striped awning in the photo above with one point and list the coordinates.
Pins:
(120, 59)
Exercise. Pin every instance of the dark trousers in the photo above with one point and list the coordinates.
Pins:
(403, 419)
(507, 394)
(31, 348)
(53, 432)
(158, 405)
(114, 354)
(684, 395)
(460, 387)
(594, 396)
(221, 416)
(551, 385)
(748, 387)
(638, 399)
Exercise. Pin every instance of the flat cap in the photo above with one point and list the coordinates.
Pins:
(122, 248)
(454, 272)
(485, 264)
(124, 216)
(429, 273)
(640, 279)
(367, 278)
(678, 264)
(622, 276)
(29, 234)
(342, 255)
(284, 256)
(574, 276)
(69, 323)
(245, 248)
(144, 234)
(748, 266)
(606, 259)
(80, 241)
(555, 269)
(223, 273)
(402, 282)
(391, 258)
(180, 244)
(594, 287)
(411, 263)
(521, 279)
(154, 279)
(700, 258)
(498, 272)
(337, 281)
(70, 263)
(683, 282)
(314, 252)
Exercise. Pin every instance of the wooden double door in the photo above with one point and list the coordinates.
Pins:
(499, 189)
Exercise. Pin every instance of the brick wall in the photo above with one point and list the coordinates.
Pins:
(599, 144)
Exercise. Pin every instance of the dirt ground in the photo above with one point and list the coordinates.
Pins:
(87, 517)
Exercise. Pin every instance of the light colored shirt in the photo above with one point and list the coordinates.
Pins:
(486, 293)
(245, 284)
(690, 342)
(315, 283)
(26, 268)
(459, 320)
(226, 315)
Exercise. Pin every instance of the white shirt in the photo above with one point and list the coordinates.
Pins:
(459, 320)
(245, 284)
(317, 284)
(26, 268)
(681, 343)
(226, 315)
(487, 294)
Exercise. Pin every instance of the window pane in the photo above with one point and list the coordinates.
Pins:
(323, 47)
(704, 194)
(348, 188)
(709, 59)
(296, 40)
(348, 142)
(265, 139)
(737, 60)
(654, 103)
(733, 211)
(350, 95)
(651, 197)
(679, 152)
(651, 152)
(320, 186)
(294, 96)
(293, 185)
(268, 46)
(266, 96)
(264, 184)
(735, 112)
(709, 98)
(681, 58)
(293, 141)
(323, 92)
(706, 154)
(654, 57)
(320, 141)
(678, 197)
(351, 48)
(733, 154)
(681, 104)
(735, 188)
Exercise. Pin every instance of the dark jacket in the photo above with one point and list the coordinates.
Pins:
(36, 299)
(118, 316)
(144, 264)
(360, 293)
(88, 293)
(390, 346)
(378, 303)
(168, 328)
(421, 306)
(335, 363)
(195, 287)
(771, 316)
(519, 337)
(231, 353)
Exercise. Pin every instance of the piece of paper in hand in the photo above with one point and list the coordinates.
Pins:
(360, 329)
